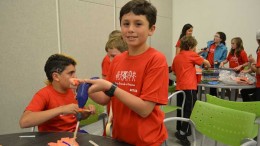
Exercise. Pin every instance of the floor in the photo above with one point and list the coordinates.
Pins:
(97, 129)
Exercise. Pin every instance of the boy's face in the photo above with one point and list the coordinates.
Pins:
(113, 52)
(135, 29)
(63, 77)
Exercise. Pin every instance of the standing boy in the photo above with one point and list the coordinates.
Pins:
(184, 67)
(53, 107)
(137, 82)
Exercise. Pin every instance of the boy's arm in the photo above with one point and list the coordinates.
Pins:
(30, 119)
(141, 107)
(206, 63)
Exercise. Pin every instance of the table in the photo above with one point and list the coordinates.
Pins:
(223, 86)
(43, 138)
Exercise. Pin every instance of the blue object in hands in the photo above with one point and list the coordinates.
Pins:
(82, 93)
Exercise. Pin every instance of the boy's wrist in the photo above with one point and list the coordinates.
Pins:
(110, 92)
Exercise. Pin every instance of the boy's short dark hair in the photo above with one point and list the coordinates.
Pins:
(118, 43)
(57, 63)
(140, 7)
(188, 42)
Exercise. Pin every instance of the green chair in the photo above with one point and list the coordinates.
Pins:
(171, 89)
(225, 125)
(252, 107)
(100, 110)
(170, 108)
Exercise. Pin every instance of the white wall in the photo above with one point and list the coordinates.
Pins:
(236, 18)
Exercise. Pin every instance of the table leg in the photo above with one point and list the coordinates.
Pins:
(233, 94)
(199, 92)
(207, 91)
(222, 93)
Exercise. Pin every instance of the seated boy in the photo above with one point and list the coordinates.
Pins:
(53, 107)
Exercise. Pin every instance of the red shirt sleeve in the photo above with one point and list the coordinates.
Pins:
(178, 44)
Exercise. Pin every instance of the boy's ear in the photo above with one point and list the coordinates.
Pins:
(55, 76)
(151, 31)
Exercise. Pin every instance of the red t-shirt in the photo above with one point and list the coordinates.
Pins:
(178, 44)
(105, 65)
(48, 98)
(210, 57)
(258, 65)
(184, 67)
(235, 60)
(145, 76)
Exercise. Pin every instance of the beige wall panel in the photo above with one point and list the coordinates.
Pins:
(164, 8)
(121, 3)
(84, 32)
(100, 2)
(27, 38)
(162, 38)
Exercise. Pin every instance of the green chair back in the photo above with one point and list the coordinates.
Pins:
(224, 125)
(252, 107)
(171, 89)
(92, 118)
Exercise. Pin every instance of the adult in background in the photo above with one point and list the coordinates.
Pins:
(187, 30)
(215, 53)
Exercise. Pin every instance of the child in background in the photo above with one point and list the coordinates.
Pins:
(137, 82)
(183, 67)
(106, 60)
(254, 94)
(237, 59)
(53, 108)
(237, 56)
(186, 31)
(115, 45)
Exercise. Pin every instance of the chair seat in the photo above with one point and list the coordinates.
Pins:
(169, 108)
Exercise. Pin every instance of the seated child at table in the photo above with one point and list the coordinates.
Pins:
(53, 108)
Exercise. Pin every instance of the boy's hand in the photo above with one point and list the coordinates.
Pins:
(69, 109)
(90, 110)
(98, 85)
